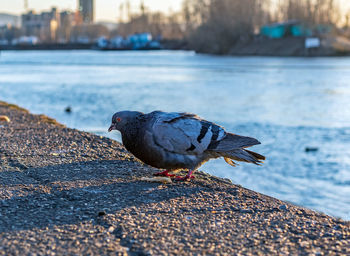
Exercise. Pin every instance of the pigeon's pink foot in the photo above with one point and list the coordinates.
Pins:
(164, 174)
(187, 177)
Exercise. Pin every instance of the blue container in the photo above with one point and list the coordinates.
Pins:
(297, 30)
(276, 31)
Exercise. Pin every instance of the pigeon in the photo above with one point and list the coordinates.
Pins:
(175, 141)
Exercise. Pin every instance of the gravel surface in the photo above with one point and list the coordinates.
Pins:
(67, 192)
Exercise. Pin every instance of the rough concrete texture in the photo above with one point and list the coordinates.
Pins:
(67, 192)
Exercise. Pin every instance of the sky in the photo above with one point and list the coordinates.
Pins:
(105, 10)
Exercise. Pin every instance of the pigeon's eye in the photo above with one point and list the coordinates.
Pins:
(118, 119)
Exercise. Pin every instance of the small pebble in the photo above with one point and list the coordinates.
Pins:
(102, 213)
(283, 207)
(246, 211)
(5, 119)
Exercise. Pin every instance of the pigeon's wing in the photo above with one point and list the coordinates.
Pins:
(185, 133)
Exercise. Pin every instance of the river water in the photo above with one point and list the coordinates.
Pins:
(289, 104)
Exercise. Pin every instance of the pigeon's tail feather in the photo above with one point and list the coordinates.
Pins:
(233, 141)
(242, 155)
(256, 155)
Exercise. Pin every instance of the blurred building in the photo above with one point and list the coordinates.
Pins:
(68, 20)
(9, 19)
(43, 25)
(86, 10)
(50, 27)
(8, 33)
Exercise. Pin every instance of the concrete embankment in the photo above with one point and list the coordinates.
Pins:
(67, 192)
(292, 47)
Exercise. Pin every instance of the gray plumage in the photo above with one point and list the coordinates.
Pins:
(180, 140)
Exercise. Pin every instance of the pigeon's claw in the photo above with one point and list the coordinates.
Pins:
(187, 177)
(164, 174)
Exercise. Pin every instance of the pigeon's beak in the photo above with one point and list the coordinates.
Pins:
(111, 128)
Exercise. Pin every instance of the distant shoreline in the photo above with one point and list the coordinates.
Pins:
(291, 47)
(284, 47)
(40, 47)
(166, 45)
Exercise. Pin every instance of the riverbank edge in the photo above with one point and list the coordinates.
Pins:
(246, 207)
(258, 46)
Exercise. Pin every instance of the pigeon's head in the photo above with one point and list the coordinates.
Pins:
(122, 118)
